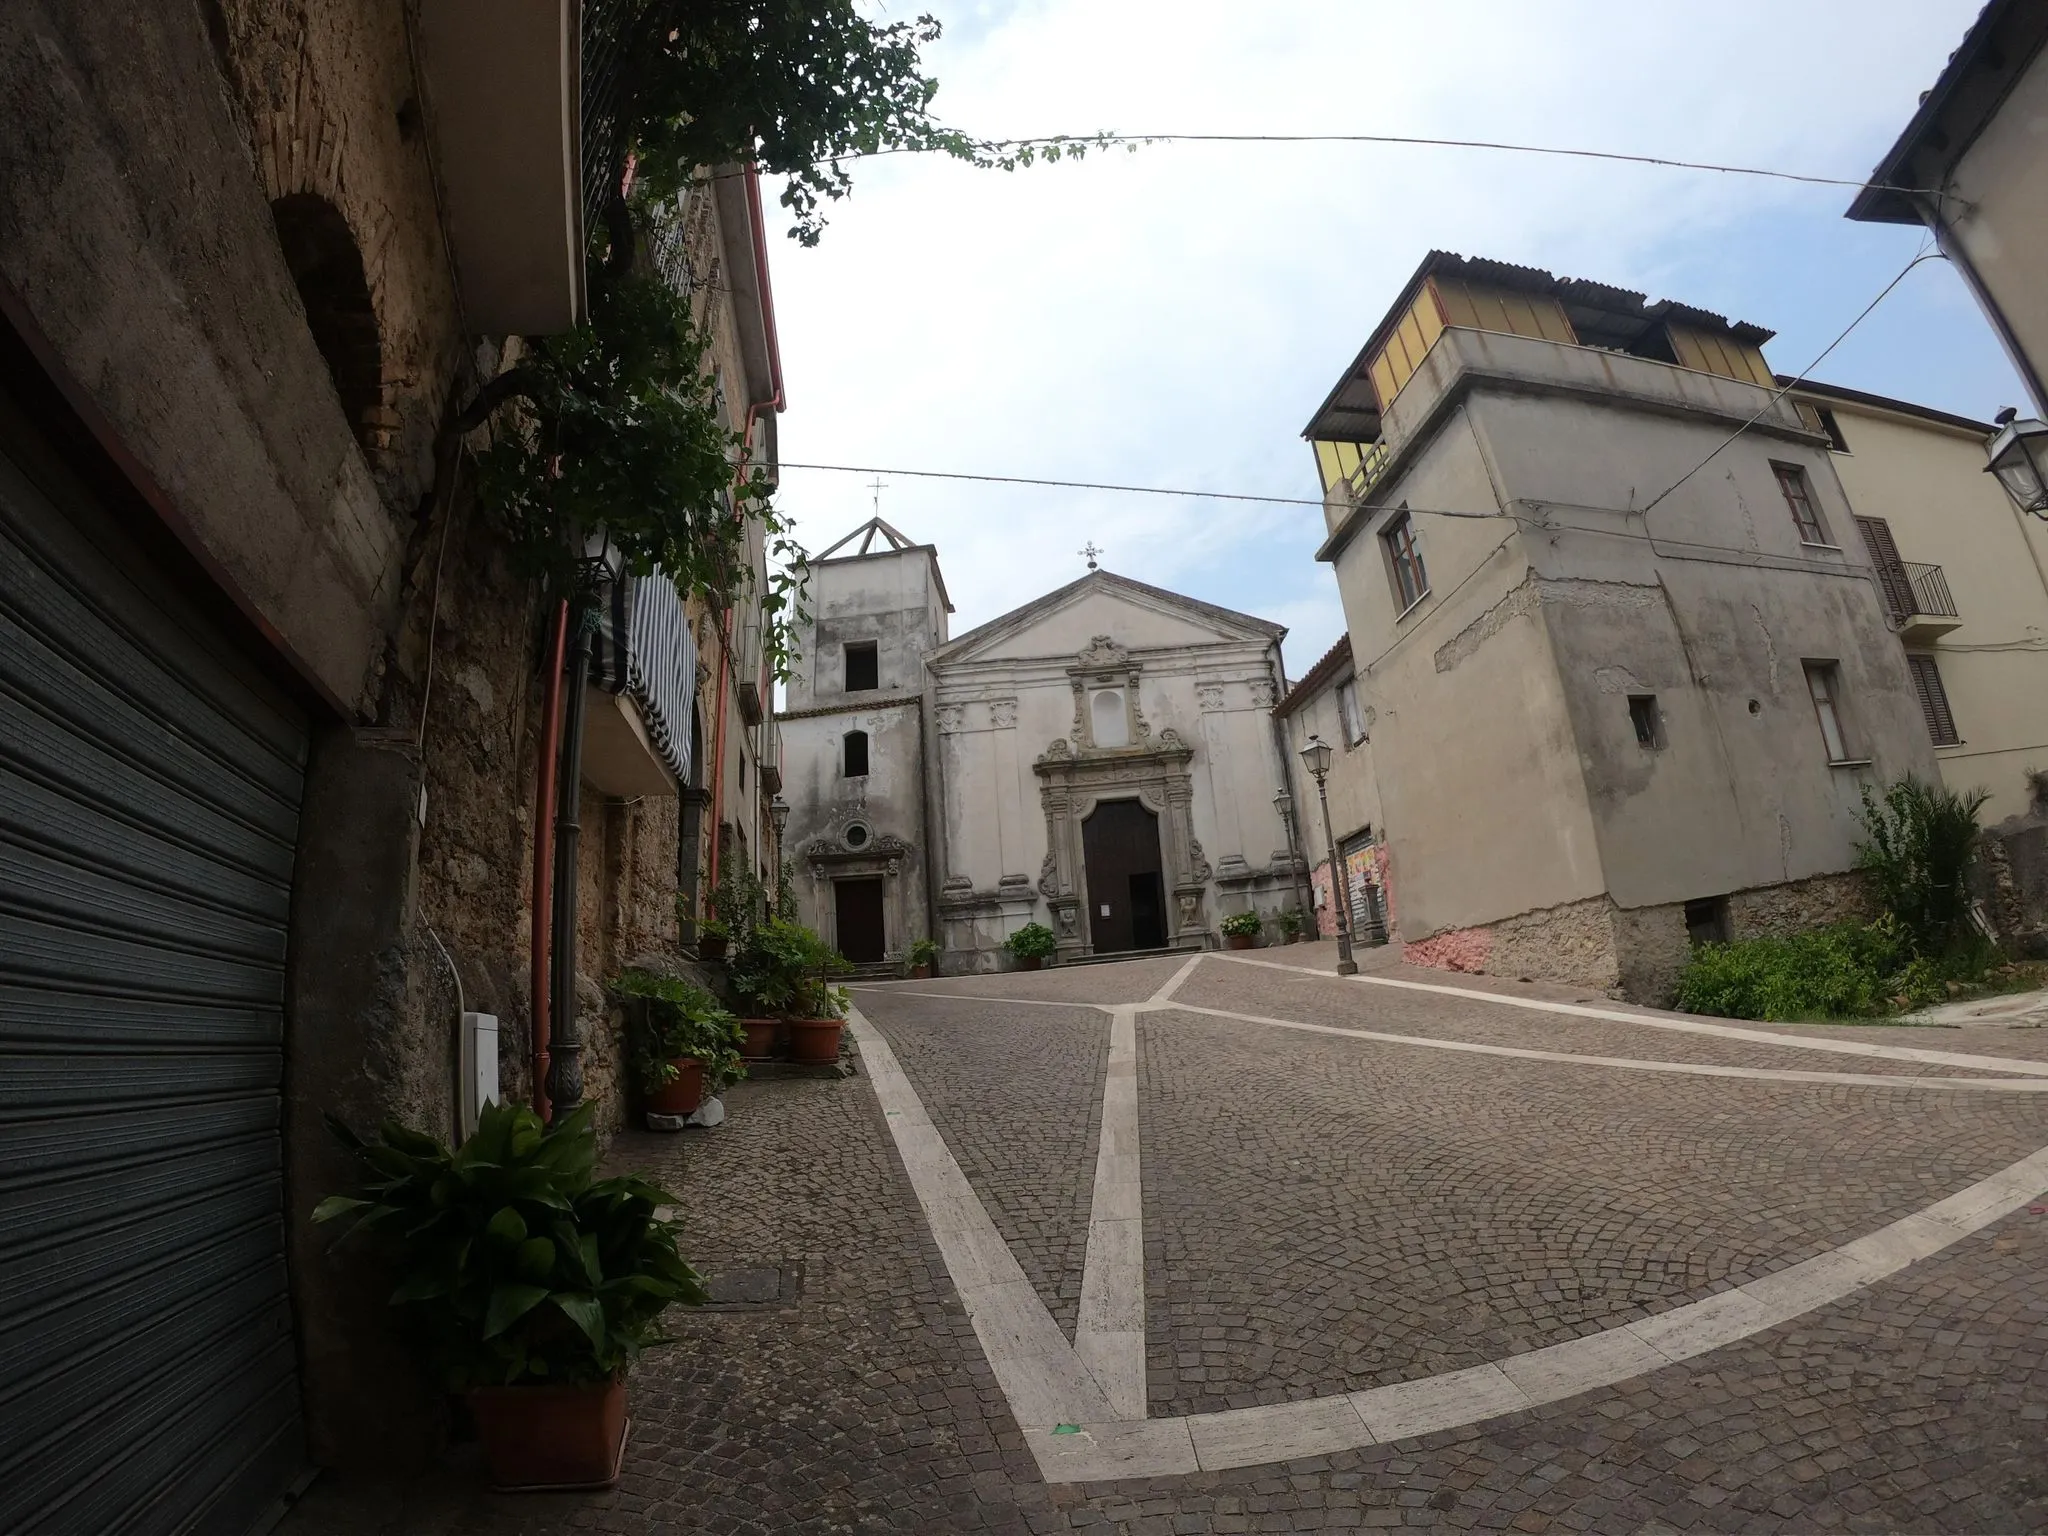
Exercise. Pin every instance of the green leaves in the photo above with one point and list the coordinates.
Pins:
(483, 1238)
(675, 1019)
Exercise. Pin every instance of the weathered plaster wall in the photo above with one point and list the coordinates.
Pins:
(1999, 208)
(888, 801)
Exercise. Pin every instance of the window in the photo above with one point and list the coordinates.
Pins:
(1643, 715)
(863, 669)
(1348, 713)
(1706, 920)
(1824, 682)
(856, 835)
(1799, 497)
(1106, 717)
(1411, 582)
(855, 756)
(1836, 442)
(1941, 725)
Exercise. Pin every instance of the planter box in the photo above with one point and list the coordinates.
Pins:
(711, 946)
(544, 1438)
(814, 1040)
(1030, 962)
(1240, 941)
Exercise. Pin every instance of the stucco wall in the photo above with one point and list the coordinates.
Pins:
(1999, 209)
(1927, 481)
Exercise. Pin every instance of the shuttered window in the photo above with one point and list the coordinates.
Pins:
(1892, 579)
(1941, 725)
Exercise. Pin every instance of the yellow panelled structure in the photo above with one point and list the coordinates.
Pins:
(1339, 462)
(1450, 301)
(1720, 354)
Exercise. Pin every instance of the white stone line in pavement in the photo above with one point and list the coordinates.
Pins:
(1686, 1026)
(1172, 983)
(1109, 1332)
(975, 997)
(1627, 1063)
(1249, 1437)
(1040, 1374)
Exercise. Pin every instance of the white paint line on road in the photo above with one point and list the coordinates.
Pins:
(1632, 1064)
(976, 997)
(1044, 1380)
(1245, 1437)
(1685, 1026)
(1173, 982)
(1109, 1332)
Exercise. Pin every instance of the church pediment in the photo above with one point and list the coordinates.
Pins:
(1100, 610)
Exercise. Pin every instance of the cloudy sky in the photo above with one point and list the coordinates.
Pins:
(1171, 317)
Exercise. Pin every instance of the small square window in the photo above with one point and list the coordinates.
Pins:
(1706, 920)
(863, 667)
(1799, 499)
(1648, 723)
(1348, 713)
(1836, 442)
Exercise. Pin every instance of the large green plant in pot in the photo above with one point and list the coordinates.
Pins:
(519, 1268)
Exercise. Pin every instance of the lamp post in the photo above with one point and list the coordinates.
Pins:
(1283, 802)
(1316, 757)
(2019, 457)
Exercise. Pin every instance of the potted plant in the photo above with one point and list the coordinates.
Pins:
(523, 1281)
(683, 1043)
(924, 954)
(1241, 930)
(1030, 945)
(781, 970)
(1290, 926)
(712, 936)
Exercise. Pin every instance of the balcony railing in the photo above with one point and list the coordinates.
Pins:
(1930, 591)
(1371, 465)
(643, 650)
(617, 38)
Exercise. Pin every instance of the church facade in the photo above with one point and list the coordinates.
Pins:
(1103, 761)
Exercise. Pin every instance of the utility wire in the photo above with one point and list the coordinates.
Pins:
(1798, 378)
(1135, 140)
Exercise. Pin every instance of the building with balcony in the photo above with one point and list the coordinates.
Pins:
(1624, 666)
(1964, 578)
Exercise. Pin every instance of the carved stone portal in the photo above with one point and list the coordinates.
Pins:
(1156, 774)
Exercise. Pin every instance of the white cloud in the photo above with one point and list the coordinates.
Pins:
(1171, 317)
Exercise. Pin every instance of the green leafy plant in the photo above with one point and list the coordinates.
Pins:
(1242, 925)
(1846, 971)
(739, 901)
(676, 1019)
(923, 952)
(1034, 941)
(1918, 843)
(1290, 922)
(516, 1264)
(782, 969)
(712, 928)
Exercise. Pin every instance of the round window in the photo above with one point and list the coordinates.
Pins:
(856, 836)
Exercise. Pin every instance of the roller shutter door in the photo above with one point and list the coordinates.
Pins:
(149, 799)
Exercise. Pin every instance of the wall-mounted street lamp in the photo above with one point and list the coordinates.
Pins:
(1316, 758)
(778, 817)
(2019, 457)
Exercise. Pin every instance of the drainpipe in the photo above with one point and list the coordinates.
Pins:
(566, 1084)
(718, 746)
(544, 853)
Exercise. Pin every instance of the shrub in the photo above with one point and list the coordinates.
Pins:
(677, 1019)
(517, 1265)
(781, 969)
(1848, 971)
(1034, 941)
(1290, 922)
(924, 952)
(1242, 925)
(1919, 839)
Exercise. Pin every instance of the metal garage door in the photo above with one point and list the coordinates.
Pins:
(149, 797)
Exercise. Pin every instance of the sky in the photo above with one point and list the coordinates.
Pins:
(1172, 316)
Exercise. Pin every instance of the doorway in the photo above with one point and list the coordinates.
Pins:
(858, 905)
(1126, 894)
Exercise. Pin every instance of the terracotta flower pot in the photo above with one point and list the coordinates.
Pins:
(760, 1044)
(682, 1093)
(1030, 962)
(1239, 940)
(710, 946)
(920, 973)
(552, 1436)
(814, 1040)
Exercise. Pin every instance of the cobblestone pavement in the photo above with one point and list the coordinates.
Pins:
(1322, 1212)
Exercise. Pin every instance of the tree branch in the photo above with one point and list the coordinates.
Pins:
(512, 384)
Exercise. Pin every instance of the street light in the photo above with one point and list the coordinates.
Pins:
(1316, 758)
(1283, 802)
(2019, 457)
(778, 817)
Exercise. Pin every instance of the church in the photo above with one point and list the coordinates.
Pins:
(1103, 760)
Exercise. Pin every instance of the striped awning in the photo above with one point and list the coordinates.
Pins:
(643, 649)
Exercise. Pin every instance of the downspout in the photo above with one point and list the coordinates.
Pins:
(566, 1088)
(544, 854)
(718, 750)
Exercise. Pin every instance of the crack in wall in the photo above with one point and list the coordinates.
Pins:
(1529, 594)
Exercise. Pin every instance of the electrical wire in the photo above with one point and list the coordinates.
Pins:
(1798, 378)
